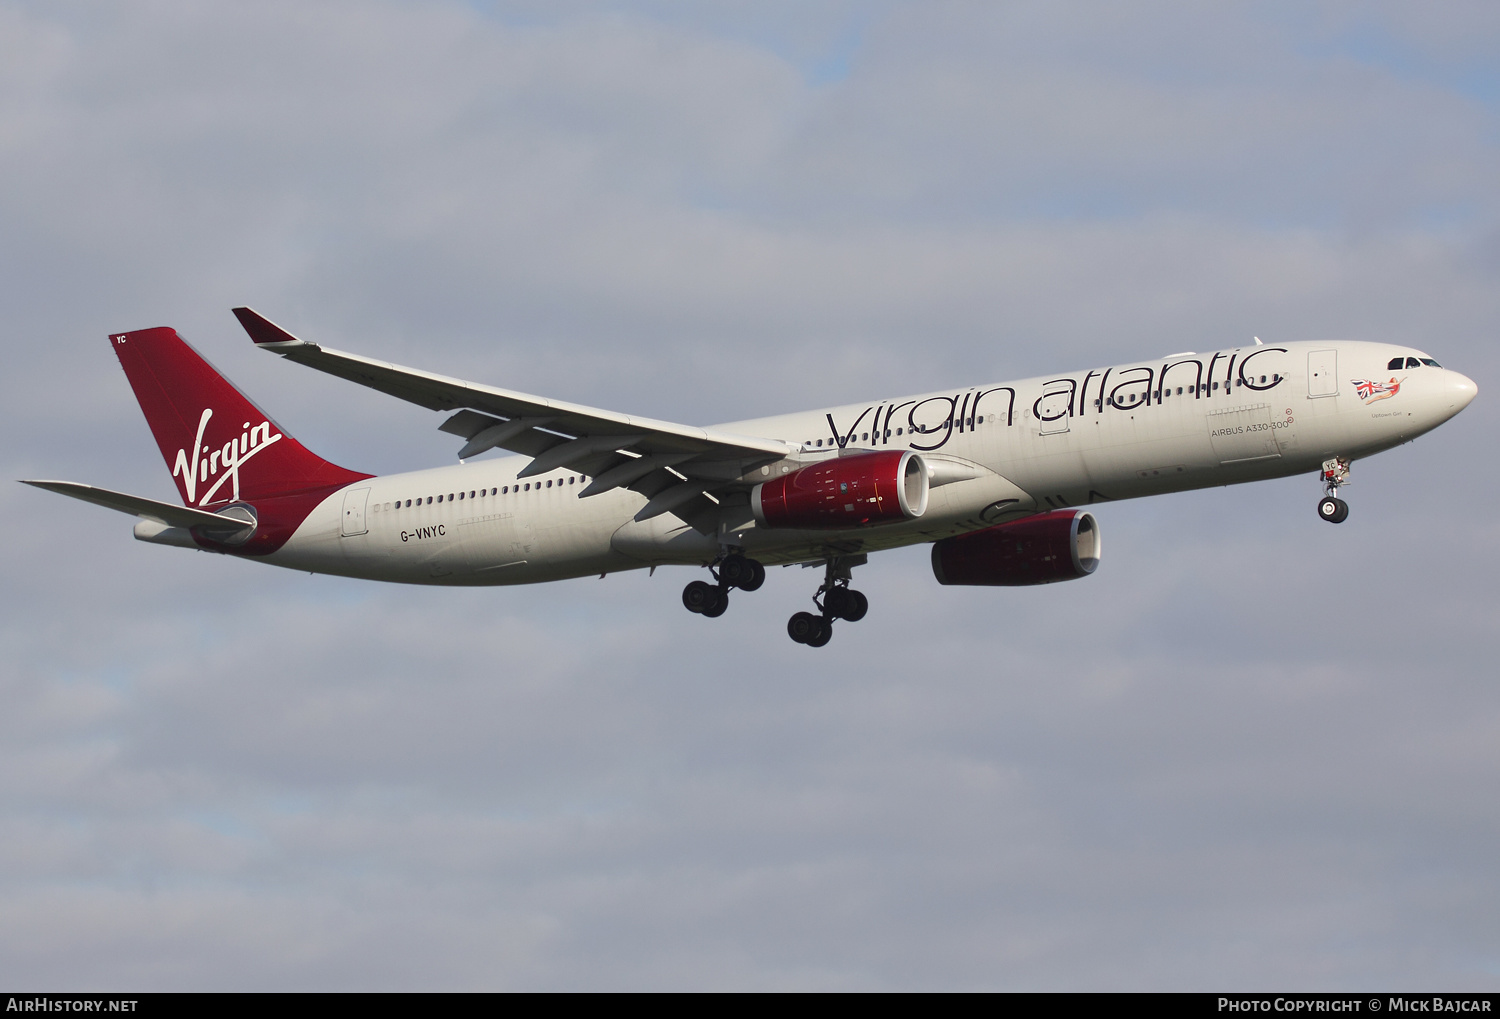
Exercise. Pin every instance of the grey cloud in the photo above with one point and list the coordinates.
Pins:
(1253, 750)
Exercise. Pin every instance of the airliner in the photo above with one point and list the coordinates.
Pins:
(991, 476)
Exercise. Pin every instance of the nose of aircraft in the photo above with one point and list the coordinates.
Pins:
(1461, 389)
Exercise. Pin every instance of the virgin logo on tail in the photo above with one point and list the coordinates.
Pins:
(226, 459)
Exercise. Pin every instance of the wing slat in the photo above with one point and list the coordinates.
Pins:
(438, 392)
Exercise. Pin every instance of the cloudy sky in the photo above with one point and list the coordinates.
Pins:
(1252, 751)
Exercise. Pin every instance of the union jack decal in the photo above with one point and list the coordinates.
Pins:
(1369, 390)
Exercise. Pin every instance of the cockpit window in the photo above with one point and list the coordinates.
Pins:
(1429, 362)
(1394, 366)
(1412, 362)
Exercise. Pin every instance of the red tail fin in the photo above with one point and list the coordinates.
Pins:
(219, 446)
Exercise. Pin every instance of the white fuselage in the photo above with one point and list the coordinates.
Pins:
(994, 453)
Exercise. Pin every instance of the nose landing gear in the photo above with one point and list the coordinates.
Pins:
(1335, 473)
(835, 600)
(732, 571)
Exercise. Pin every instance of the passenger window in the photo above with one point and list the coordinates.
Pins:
(898, 431)
(1179, 390)
(864, 436)
(429, 500)
(549, 482)
(1412, 362)
(1216, 385)
(460, 495)
(1395, 365)
(981, 419)
(1262, 380)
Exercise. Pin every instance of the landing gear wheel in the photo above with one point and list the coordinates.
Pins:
(756, 578)
(844, 603)
(734, 570)
(745, 574)
(836, 602)
(804, 625)
(720, 603)
(823, 634)
(699, 597)
(1333, 510)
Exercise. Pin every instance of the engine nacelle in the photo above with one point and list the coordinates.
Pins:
(1037, 550)
(859, 490)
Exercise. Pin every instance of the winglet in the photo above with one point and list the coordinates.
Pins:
(266, 333)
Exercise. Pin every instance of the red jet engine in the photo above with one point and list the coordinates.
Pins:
(859, 490)
(1037, 550)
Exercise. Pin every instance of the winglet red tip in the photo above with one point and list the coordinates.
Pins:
(265, 332)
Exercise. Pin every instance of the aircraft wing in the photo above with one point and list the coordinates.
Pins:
(613, 450)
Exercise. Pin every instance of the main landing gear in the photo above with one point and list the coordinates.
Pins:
(734, 570)
(1331, 508)
(838, 601)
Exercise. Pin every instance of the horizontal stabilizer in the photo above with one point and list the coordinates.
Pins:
(162, 512)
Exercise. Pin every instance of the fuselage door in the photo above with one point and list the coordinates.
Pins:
(354, 511)
(1322, 373)
(1054, 411)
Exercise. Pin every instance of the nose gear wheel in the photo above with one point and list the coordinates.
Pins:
(1333, 510)
(1335, 473)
